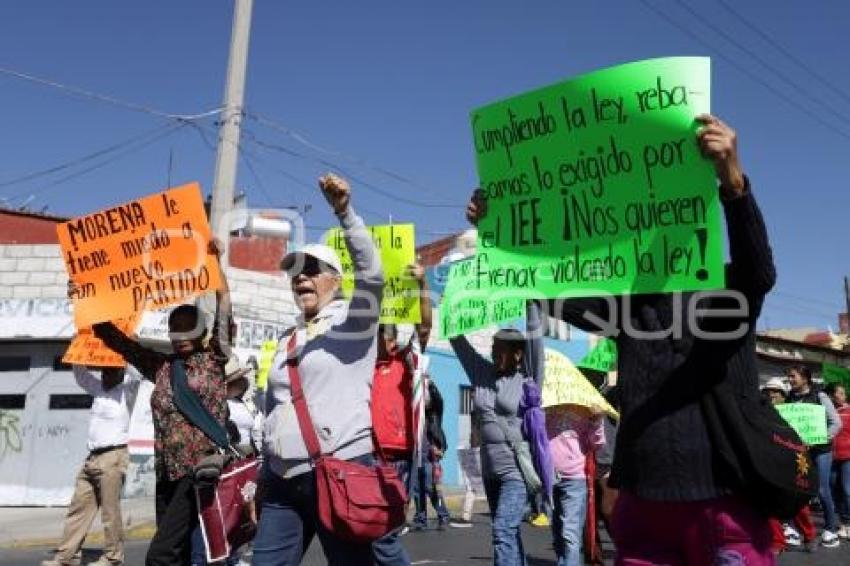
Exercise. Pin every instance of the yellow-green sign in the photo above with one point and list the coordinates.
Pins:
(397, 245)
(597, 185)
(264, 364)
(467, 305)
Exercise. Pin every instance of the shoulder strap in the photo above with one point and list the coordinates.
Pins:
(192, 408)
(305, 423)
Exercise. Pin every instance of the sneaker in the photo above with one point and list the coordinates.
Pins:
(417, 526)
(404, 530)
(829, 539)
(460, 524)
(844, 532)
(540, 520)
(792, 537)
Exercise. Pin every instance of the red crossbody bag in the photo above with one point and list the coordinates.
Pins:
(356, 502)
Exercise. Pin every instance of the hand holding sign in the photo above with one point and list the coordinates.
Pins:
(718, 142)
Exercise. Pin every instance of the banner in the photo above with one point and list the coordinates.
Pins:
(603, 357)
(808, 419)
(596, 185)
(832, 373)
(142, 255)
(397, 245)
(86, 349)
(469, 304)
(564, 384)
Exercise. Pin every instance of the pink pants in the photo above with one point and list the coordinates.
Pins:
(723, 531)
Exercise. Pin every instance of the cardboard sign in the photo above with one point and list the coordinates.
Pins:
(808, 419)
(596, 185)
(603, 357)
(142, 255)
(397, 245)
(267, 352)
(564, 384)
(86, 349)
(469, 305)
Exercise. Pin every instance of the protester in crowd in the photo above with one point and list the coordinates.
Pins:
(335, 354)
(179, 446)
(100, 479)
(245, 429)
(429, 475)
(574, 434)
(803, 390)
(841, 456)
(674, 497)
(392, 405)
(497, 392)
(776, 392)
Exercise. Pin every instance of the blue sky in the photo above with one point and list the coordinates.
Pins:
(391, 84)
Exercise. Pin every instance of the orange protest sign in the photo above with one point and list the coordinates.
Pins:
(86, 349)
(142, 255)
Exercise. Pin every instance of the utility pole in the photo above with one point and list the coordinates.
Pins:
(227, 155)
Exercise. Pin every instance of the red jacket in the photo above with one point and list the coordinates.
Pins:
(841, 443)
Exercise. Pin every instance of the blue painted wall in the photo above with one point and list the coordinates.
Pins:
(447, 373)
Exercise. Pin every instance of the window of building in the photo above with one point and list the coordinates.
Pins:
(13, 402)
(59, 365)
(466, 400)
(70, 401)
(15, 363)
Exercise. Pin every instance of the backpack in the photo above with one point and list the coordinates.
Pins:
(392, 406)
(764, 456)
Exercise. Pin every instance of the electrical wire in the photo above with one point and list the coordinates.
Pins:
(131, 149)
(84, 159)
(781, 49)
(80, 92)
(303, 140)
(745, 71)
(761, 61)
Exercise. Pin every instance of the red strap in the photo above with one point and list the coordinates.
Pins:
(305, 423)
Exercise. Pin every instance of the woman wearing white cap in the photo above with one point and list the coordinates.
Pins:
(335, 352)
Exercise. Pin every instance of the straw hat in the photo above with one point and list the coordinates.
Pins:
(234, 371)
(775, 384)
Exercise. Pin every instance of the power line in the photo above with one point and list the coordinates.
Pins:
(80, 160)
(779, 47)
(744, 71)
(80, 92)
(303, 140)
(778, 73)
(131, 149)
(252, 138)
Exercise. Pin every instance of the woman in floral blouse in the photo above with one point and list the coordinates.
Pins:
(179, 445)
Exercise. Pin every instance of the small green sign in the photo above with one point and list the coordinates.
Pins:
(808, 419)
(602, 358)
(467, 306)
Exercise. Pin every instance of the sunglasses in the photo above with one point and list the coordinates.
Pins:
(310, 267)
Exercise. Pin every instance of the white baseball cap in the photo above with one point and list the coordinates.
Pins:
(318, 251)
(775, 384)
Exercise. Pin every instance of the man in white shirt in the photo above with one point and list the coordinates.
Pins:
(102, 475)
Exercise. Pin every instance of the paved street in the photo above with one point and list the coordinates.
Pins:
(454, 546)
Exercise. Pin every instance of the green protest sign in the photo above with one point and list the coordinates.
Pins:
(603, 357)
(597, 185)
(832, 373)
(467, 305)
(808, 419)
(397, 245)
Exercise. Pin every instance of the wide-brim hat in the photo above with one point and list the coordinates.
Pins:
(775, 384)
(233, 370)
(318, 251)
